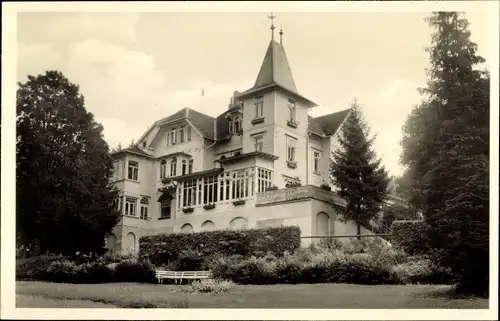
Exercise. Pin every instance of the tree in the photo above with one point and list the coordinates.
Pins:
(64, 196)
(446, 151)
(357, 174)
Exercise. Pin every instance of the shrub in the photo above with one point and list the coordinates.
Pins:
(160, 249)
(209, 286)
(326, 187)
(33, 268)
(411, 236)
(63, 271)
(422, 271)
(132, 270)
(305, 266)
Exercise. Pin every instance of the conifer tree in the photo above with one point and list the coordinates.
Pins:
(446, 151)
(357, 173)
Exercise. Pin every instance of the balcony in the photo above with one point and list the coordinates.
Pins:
(292, 194)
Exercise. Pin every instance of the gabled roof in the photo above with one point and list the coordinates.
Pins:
(203, 123)
(327, 124)
(131, 150)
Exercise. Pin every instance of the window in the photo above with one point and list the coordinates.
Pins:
(144, 208)
(130, 206)
(165, 209)
(173, 167)
(264, 179)
(290, 148)
(133, 170)
(235, 125)
(259, 107)
(163, 169)
(259, 143)
(190, 166)
(189, 193)
(181, 135)
(317, 157)
(210, 188)
(167, 138)
(174, 136)
(188, 133)
(291, 110)
(184, 167)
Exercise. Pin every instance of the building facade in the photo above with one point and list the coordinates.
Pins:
(194, 172)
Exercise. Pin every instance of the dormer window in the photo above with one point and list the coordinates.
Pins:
(178, 135)
(235, 125)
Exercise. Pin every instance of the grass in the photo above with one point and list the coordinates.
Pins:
(303, 296)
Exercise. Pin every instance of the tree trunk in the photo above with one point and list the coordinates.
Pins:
(358, 231)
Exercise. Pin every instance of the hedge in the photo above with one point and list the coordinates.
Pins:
(167, 248)
(411, 236)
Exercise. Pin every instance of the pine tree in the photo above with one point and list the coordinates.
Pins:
(446, 151)
(358, 175)
(64, 196)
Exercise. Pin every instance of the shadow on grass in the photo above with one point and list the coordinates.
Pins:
(184, 304)
(451, 293)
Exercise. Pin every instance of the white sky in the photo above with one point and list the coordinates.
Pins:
(135, 68)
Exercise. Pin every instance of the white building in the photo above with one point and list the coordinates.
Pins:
(219, 168)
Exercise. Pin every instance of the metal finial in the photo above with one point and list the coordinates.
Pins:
(281, 35)
(271, 16)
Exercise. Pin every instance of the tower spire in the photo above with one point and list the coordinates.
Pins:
(271, 16)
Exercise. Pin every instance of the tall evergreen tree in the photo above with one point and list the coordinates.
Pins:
(446, 151)
(357, 173)
(64, 196)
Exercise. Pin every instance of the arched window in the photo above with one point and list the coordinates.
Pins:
(208, 226)
(323, 227)
(187, 228)
(111, 242)
(130, 243)
(238, 223)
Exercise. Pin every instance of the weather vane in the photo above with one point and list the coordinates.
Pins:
(272, 16)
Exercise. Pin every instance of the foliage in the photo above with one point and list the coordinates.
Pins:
(105, 269)
(358, 175)
(209, 286)
(395, 212)
(161, 249)
(65, 200)
(326, 187)
(411, 236)
(446, 151)
(33, 268)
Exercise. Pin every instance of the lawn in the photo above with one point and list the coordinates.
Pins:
(303, 296)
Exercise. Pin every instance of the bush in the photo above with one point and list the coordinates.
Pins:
(134, 271)
(305, 266)
(63, 271)
(209, 286)
(411, 236)
(33, 268)
(326, 187)
(422, 271)
(161, 249)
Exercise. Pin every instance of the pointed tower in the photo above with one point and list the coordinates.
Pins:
(275, 72)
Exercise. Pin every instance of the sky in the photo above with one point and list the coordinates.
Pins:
(135, 68)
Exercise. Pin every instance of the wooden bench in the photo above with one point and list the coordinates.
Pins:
(182, 275)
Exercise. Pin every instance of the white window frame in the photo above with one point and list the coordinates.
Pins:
(292, 110)
(144, 215)
(259, 107)
(190, 166)
(131, 206)
(210, 189)
(133, 170)
(163, 168)
(264, 179)
(164, 205)
(259, 143)
(173, 168)
(291, 146)
(316, 161)
(189, 193)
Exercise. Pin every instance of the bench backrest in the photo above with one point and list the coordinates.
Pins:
(183, 273)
